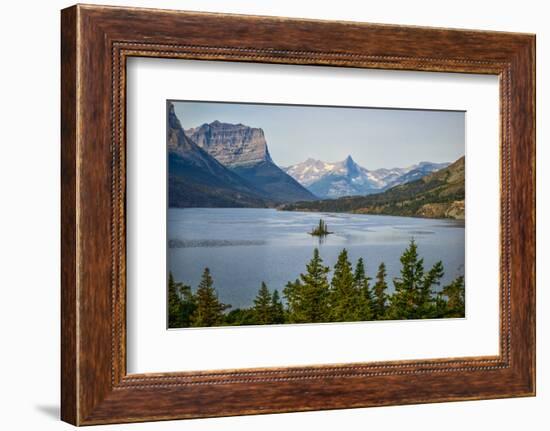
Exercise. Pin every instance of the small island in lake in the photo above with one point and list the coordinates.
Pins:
(321, 229)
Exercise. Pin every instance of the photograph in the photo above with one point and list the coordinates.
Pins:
(299, 214)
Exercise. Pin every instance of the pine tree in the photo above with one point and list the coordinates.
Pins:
(414, 297)
(345, 298)
(174, 304)
(380, 297)
(455, 293)
(295, 298)
(403, 301)
(440, 306)
(426, 302)
(362, 288)
(307, 297)
(180, 304)
(277, 309)
(209, 310)
(262, 306)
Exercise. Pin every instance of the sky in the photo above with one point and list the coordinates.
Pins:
(375, 138)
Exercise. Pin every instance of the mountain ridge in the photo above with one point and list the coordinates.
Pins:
(439, 194)
(347, 178)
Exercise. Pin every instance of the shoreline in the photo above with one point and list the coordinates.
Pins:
(463, 220)
(303, 210)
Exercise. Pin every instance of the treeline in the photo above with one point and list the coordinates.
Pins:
(349, 296)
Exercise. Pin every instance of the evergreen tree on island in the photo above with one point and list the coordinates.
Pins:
(321, 229)
(209, 310)
(307, 297)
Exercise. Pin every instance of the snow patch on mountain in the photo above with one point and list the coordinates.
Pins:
(347, 178)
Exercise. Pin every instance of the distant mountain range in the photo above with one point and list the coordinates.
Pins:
(439, 194)
(347, 178)
(225, 165)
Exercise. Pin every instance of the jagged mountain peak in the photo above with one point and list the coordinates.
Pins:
(353, 168)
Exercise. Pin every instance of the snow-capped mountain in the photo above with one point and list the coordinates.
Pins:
(347, 178)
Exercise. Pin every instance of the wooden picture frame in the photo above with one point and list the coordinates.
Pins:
(95, 43)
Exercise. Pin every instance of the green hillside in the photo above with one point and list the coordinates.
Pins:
(437, 195)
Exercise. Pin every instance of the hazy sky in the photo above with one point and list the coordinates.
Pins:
(375, 138)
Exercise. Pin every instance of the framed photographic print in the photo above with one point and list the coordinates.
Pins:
(266, 215)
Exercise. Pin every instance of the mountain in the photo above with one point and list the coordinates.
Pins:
(439, 194)
(347, 178)
(244, 151)
(197, 179)
(231, 144)
(416, 172)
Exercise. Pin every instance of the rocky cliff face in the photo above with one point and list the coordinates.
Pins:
(196, 179)
(180, 144)
(243, 150)
(231, 144)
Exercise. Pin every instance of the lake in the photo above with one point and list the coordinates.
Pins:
(245, 246)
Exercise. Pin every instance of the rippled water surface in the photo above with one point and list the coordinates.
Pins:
(245, 246)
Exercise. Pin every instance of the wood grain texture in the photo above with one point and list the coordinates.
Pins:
(96, 41)
(69, 366)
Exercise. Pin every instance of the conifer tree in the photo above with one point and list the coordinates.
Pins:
(180, 304)
(277, 309)
(307, 297)
(209, 310)
(403, 301)
(440, 306)
(174, 304)
(426, 302)
(362, 286)
(455, 293)
(294, 295)
(262, 306)
(380, 297)
(345, 298)
(414, 297)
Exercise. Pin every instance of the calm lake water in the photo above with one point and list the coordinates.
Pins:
(245, 246)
